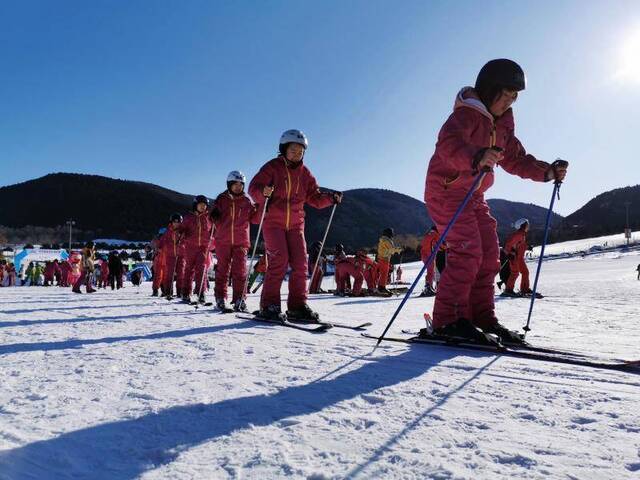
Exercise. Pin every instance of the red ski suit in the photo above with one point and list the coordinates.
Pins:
(169, 244)
(466, 286)
(235, 212)
(158, 264)
(294, 186)
(429, 242)
(195, 231)
(516, 246)
(350, 267)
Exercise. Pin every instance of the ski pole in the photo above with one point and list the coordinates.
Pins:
(432, 256)
(556, 192)
(205, 268)
(255, 246)
(315, 266)
(258, 286)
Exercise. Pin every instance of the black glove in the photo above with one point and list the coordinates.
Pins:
(336, 197)
(214, 214)
(558, 164)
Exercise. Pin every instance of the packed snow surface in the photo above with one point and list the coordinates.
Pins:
(119, 385)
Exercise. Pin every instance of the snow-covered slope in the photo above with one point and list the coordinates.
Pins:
(583, 245)
(118, 385)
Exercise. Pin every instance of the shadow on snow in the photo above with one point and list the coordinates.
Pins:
(127, 448)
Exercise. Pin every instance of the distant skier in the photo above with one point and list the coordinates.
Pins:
(369, 270)
(196, 232)
(158, 263)
(49, 270)
(386, 248)
(232, 212)
(116, 270)
(505, 269)
(289, 185)
(477, 136)
(88, 266)
(429, 242)
(515, 248)
(10, 270)
(170, 246)
(638, 269)
(316, 281)
(104, 273)
(350, 267)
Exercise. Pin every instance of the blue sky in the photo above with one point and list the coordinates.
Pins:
(180, 93)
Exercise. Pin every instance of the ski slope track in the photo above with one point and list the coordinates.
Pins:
(119, 385)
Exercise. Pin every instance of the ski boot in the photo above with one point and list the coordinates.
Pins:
(428, 291)
(222, 306)
(186, 299)
(303, 314)
(508, 292)
(507, 337)
(240, 306)
(272, 312)
(155, 292)
(464, 330)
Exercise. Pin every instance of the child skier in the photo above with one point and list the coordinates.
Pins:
(317, 276)
(515, 248)
(386, 248)
(429, 242)
(158, 264)
(232, 212)
(196, 232)
(169, 245)
(289, 185)
(478, 136)
(85, 278)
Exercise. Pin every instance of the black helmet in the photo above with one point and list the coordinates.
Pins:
(388, 232)
(176, 217)
(200, 199)
(496, 75)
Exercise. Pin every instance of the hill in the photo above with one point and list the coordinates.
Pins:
(604, 215)
(104, 207)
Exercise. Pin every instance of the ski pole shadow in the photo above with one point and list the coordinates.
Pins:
(125, 449)
(78, 343)
(386, 447)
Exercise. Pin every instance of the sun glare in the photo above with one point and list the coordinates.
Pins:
(629, 59)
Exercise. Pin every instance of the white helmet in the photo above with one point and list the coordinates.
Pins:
(236, 176)
(518, 223)
(293, 136)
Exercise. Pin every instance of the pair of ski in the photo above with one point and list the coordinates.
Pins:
(299, 324)
(524, 350)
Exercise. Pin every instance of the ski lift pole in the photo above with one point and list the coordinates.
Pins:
(324, 238)
(255, 246)
(432, 256)
(556, 192)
